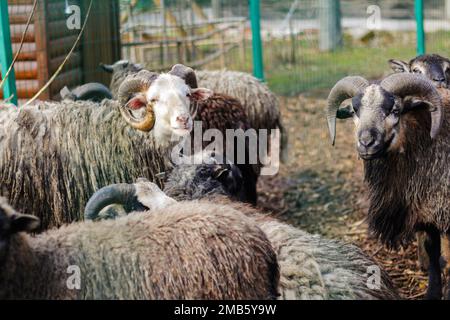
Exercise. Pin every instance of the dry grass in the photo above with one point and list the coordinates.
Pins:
(321, 190)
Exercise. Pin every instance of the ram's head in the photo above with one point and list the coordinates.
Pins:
(161, 102)
(433, 66)
(377, 110)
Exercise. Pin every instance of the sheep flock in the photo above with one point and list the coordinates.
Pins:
(107, 194)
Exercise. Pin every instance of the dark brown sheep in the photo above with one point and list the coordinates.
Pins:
(403, 136)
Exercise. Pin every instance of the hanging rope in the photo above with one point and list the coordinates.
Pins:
(30, 17)
(58, 71)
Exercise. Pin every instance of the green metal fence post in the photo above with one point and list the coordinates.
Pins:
(420, 30)
(258, 66)
(6, 56)
(330, 35)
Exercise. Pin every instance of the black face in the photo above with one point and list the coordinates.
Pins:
(378, 115)
(225, 179)
(434, 67)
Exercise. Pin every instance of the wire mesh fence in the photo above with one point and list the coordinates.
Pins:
(304, 50)
(53, 31)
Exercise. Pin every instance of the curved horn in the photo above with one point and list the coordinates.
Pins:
(137, 83)
(185, 73)
(124, 194)
(107, 67)
(406, 84)
(65, 93)
(346, 88)
(92, 91)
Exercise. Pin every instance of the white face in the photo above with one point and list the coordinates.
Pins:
(171, 100)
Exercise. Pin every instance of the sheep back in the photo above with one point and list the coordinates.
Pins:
(185, 251)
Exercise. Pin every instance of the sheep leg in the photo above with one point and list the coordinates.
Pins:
(446, 256)
(422, 255)
(433, 249)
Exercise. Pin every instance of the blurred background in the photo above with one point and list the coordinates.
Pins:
(307, 45)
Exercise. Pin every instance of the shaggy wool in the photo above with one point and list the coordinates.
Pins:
(54, 156)
(184, 251)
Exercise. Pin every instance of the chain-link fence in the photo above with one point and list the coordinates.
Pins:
(299, 55)
(303, 48)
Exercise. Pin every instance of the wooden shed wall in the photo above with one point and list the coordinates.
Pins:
(49, 40)
(102, 41)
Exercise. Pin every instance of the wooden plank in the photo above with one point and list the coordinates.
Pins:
(26, 56)
(17, 37)
(100, 44)
(26, 74)
(40, 27)
(57, 10)
(73, 62)
(61, 46)
(25, 89)
(58, 29)
(13, 3)
(69, 78)
(19, 19)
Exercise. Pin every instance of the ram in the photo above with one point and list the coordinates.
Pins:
(403, 137)
(311, 267)
(223, 113)
(181, 252)
(55, 155)
(260, 104)
(437, 69)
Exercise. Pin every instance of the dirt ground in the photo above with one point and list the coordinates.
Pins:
(321, 190)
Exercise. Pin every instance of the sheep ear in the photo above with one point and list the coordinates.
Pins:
(137, 102)
(230, 177)
(201, 94)
(24, 223)
(107, 67)
(414, 104)
(345, 113)
(221, 173)
(399, 65)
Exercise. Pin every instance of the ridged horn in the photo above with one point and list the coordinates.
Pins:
(131, 86)
(124, 194)
(407, 84)
(185, 73)
(346, 88)
(107, 67)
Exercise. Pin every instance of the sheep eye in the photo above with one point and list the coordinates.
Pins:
(396, 112)
(416, 70)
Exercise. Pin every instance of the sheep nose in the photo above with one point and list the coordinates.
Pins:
(183, 119)
(367, 138)
(439, 80)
